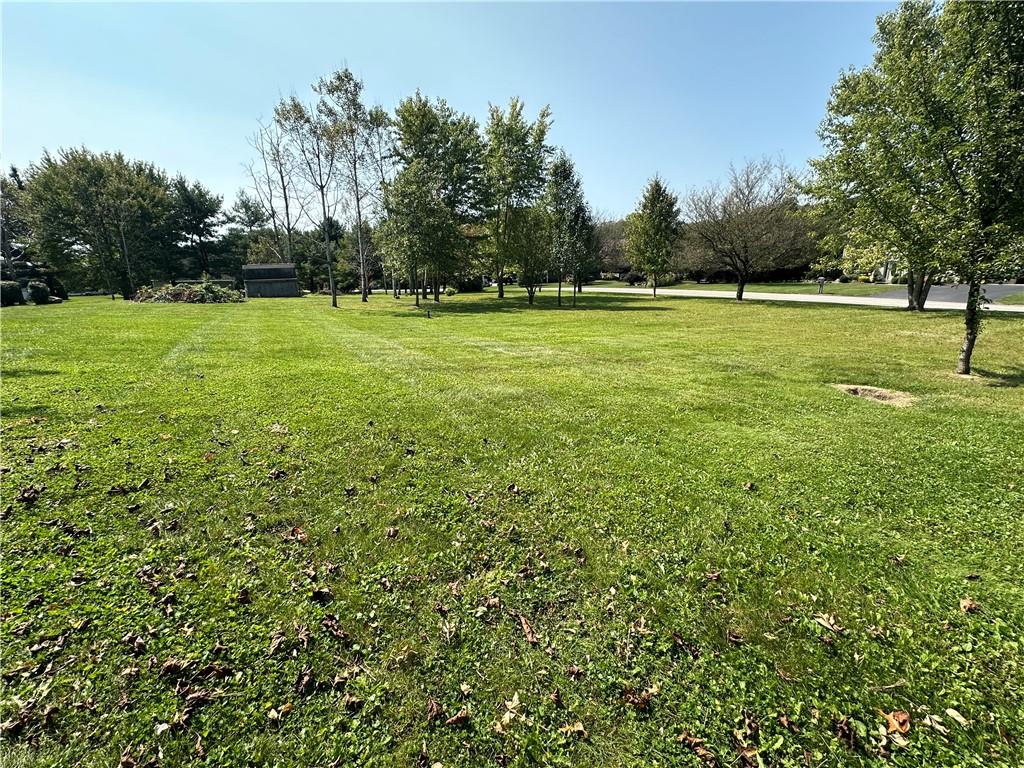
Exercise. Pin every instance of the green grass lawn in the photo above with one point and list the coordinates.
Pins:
(1012, 298)
(834, 289)
(632, 534)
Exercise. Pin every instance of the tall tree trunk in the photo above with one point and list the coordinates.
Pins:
(530, 289)
(654, 283)
(559, 289)
(327, 250)
(414, 276)
(127, 265)
(501, 284)
(740, 285)
(437, 288)
(972, 324)
(364, 286)
(575, 289)
(919, 282)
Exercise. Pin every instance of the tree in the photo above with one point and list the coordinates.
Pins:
(276, 184)
(418, 225)
(341, 104)
(530, 247)
(448, 148)
(652, 231)
(515, 159)
(197, 212)
(315, 138)
(102, 218)
(923, 147)
(752, 225)
(568, 223)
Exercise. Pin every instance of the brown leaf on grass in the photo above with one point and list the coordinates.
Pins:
(352, 703)
(575, 730)
(322, 595)
(828, 621)
(294, 534)
(696, 745)
(528, 633)
(710, 576)
(29, 495)
(391, 532)
(514, 489)
(459, 719)
(896, 721)
(302, 633)
(555, 697)
(734, 637)
(967, 605)
(640, 701)
(788, 724)
(174, 667)
(277, 474)
(750, 487)
(305, 683)
(276, 714)
(329, 624)
(243, 597)
(434, 710)
(275, 642)
(277, 429)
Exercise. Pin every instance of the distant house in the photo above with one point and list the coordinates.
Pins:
(266, 281)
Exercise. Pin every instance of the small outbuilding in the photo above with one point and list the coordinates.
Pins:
(266, 281)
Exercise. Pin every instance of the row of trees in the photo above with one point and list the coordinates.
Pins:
(753, 224)
(431, 198)
(923, 168)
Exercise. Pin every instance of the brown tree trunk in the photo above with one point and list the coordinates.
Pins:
(559, 290)
(972, 324)
(654, 282)
(501, 284)
(740, 285)
(414, 275)
(530, 289)
(437, 288)
(918, 285)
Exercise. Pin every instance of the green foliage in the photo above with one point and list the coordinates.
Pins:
(201, 475)
(652, 231)
(514, 163)
(923, 147)
(189, 293)
(38, 292)
(11, 293)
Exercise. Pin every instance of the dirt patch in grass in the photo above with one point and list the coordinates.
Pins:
(887, 396)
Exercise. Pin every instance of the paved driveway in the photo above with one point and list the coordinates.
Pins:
(884, 301)
(994, 291)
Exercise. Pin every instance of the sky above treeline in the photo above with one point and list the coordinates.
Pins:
(678, 89)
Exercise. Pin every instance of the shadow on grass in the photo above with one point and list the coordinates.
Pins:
(1013, 377)
(485, 305)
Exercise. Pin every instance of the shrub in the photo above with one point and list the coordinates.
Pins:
(844, 278)
(451, 290)
(39, 292)
(189, 293)
(633, 278)
(10, 293)
(863, 279)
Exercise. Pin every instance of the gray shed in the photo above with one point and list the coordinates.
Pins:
(265, 281)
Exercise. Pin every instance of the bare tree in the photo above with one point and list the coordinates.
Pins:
(274, 181)
(749, 226)
(316, 144)
(341, 104)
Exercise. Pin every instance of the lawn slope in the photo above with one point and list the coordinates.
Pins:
(635, 533)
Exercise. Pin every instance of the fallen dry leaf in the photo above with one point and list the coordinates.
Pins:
(828, 621)
(528, 633)
(896, 721)
(574, 729)
(967, 605)
(459, 719)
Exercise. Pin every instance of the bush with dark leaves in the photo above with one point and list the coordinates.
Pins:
(10, 293)
(39, 292)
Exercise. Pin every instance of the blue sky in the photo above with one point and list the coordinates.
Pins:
(635, 89)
